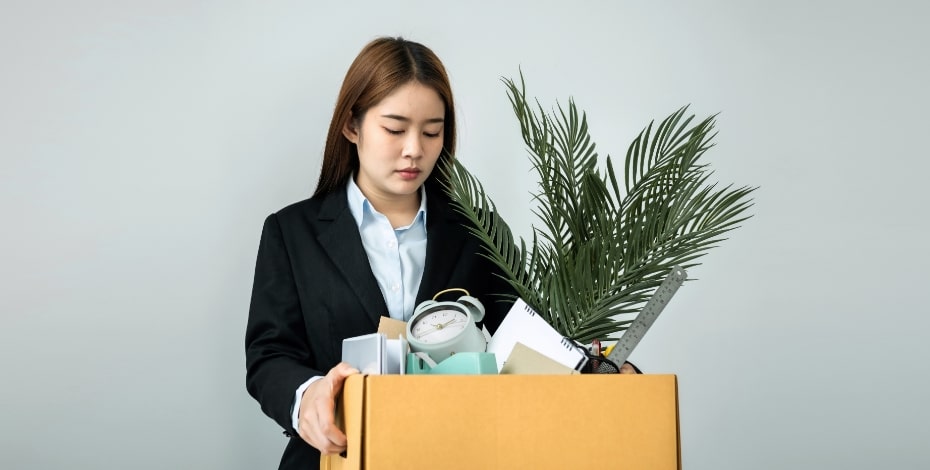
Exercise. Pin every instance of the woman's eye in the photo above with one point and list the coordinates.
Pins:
(393, 132)
(432, 135)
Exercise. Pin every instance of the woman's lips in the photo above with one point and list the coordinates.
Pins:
(409, 173)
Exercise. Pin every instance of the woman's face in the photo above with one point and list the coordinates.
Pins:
(398, 141)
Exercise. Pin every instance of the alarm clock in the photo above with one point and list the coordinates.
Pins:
(442, 329)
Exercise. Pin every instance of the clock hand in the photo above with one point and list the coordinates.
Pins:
(454, 320)
(426, 332)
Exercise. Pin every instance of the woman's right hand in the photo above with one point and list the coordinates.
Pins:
(317, 420)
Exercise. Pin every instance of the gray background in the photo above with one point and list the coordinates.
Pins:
(143, 143)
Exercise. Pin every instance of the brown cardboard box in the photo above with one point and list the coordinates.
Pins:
(509, 422)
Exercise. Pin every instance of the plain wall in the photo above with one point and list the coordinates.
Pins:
(143, 143)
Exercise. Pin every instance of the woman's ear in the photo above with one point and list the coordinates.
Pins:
(350, 129)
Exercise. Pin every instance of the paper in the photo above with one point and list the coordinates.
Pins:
(527, 361)
(392, 328)
(522, 324)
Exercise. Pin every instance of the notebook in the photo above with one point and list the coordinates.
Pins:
(525, 325)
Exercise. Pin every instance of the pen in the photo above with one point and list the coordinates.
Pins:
(595, 352)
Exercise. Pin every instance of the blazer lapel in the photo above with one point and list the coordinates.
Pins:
(343, 245)
(445, 238)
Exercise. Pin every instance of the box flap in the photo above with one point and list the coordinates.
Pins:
(349, 413)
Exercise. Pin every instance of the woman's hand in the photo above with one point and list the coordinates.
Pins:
(317, 420)
(627, 368)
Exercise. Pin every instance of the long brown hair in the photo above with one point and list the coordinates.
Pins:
(383, 66)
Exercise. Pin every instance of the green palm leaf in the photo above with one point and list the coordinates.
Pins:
(601, 249)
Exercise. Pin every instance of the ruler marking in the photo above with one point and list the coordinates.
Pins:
(647, 316)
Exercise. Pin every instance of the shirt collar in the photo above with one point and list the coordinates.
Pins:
(359, 204)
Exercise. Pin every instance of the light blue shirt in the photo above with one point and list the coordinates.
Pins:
(397, 256)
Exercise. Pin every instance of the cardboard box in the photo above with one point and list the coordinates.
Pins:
(509, 422)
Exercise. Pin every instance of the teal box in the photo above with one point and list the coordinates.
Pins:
(465, 363)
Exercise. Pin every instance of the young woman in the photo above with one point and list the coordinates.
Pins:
(378, 237)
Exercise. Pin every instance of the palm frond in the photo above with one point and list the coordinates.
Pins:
(602, 247)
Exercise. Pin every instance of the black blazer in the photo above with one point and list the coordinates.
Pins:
(314, 287)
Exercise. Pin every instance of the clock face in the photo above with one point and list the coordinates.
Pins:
(441, 325)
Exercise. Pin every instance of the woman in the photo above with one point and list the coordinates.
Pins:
(377, 237)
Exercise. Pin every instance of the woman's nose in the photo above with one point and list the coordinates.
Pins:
(413, 146)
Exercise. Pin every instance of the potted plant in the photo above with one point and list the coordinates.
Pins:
(604, 244)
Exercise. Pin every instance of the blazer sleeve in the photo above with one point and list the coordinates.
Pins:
(277, 350)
